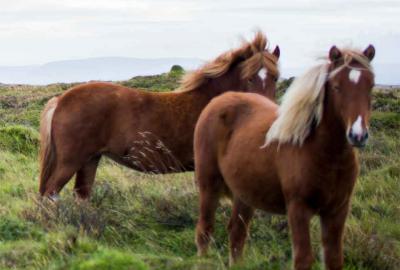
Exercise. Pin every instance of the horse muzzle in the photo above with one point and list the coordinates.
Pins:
(358, 140)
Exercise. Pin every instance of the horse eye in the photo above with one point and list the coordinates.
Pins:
(336, 88)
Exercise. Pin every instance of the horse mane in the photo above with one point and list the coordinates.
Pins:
(252, 57)
(302, 104)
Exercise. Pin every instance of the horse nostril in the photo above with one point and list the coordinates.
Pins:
(352, 136)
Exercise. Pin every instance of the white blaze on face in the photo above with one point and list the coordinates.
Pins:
(354, 75)
(263, 73)
(357, 126)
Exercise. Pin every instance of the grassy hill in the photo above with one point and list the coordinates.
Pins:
(138, 221)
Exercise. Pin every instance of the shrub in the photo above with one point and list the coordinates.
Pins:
(176, 71)
(385, 120)
(19, 139)
(385, 101)
(158, 83)
(13, 229)
(282, 86)
(177, 68)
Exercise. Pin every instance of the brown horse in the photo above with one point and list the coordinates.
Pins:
(149, 132)
(306, 165)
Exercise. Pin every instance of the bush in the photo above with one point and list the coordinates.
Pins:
(282, 86)
(385, 121)
(19, 139)
(157, 83)
(177, 68)
(385, 101)
(176, 71)
(13, 229)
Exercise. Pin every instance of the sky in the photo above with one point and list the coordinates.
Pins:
(40, 31)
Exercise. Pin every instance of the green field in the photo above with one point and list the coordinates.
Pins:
(139, 221)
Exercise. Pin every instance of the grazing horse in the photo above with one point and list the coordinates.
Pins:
(149, 132)
(305, 165)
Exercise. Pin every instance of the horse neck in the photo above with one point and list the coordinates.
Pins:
(329, 138)
(227, 82)
(203, 94)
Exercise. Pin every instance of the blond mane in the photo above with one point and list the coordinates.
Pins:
(303, 102)
(253, 56)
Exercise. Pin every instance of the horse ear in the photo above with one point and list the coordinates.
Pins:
(277, 52)
(369, 52)
(334, 54)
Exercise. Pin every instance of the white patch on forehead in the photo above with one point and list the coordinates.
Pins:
(354, 75)
(357, 126)
(263, 73)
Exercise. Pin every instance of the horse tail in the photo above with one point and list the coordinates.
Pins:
(47, 155)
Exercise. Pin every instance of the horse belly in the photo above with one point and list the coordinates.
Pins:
(261, 192)
(146, 156)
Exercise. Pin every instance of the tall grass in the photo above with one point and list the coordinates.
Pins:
(143, 221)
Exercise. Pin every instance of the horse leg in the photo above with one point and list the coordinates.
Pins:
(299, 216)
(210, 191)
(332, 238)
(238, 229)
(59, 178)
(85, 178)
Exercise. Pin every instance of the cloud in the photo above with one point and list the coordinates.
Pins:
(38, 31)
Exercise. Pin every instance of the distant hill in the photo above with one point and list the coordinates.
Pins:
(82, 70)
(124, 68)
(386, 87)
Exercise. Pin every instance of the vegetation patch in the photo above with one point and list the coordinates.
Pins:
(386, 101)
(105, 259)
(141, 221)
(386, 121)
(159, 83)
(12, 229)
(19, 139)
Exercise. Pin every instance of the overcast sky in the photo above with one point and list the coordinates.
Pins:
(40, 31)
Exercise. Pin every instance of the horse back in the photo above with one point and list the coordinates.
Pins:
(228, 113)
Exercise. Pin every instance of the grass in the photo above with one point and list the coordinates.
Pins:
(138, 221)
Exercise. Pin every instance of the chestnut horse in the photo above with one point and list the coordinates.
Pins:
(149, 132)
(306, 165)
